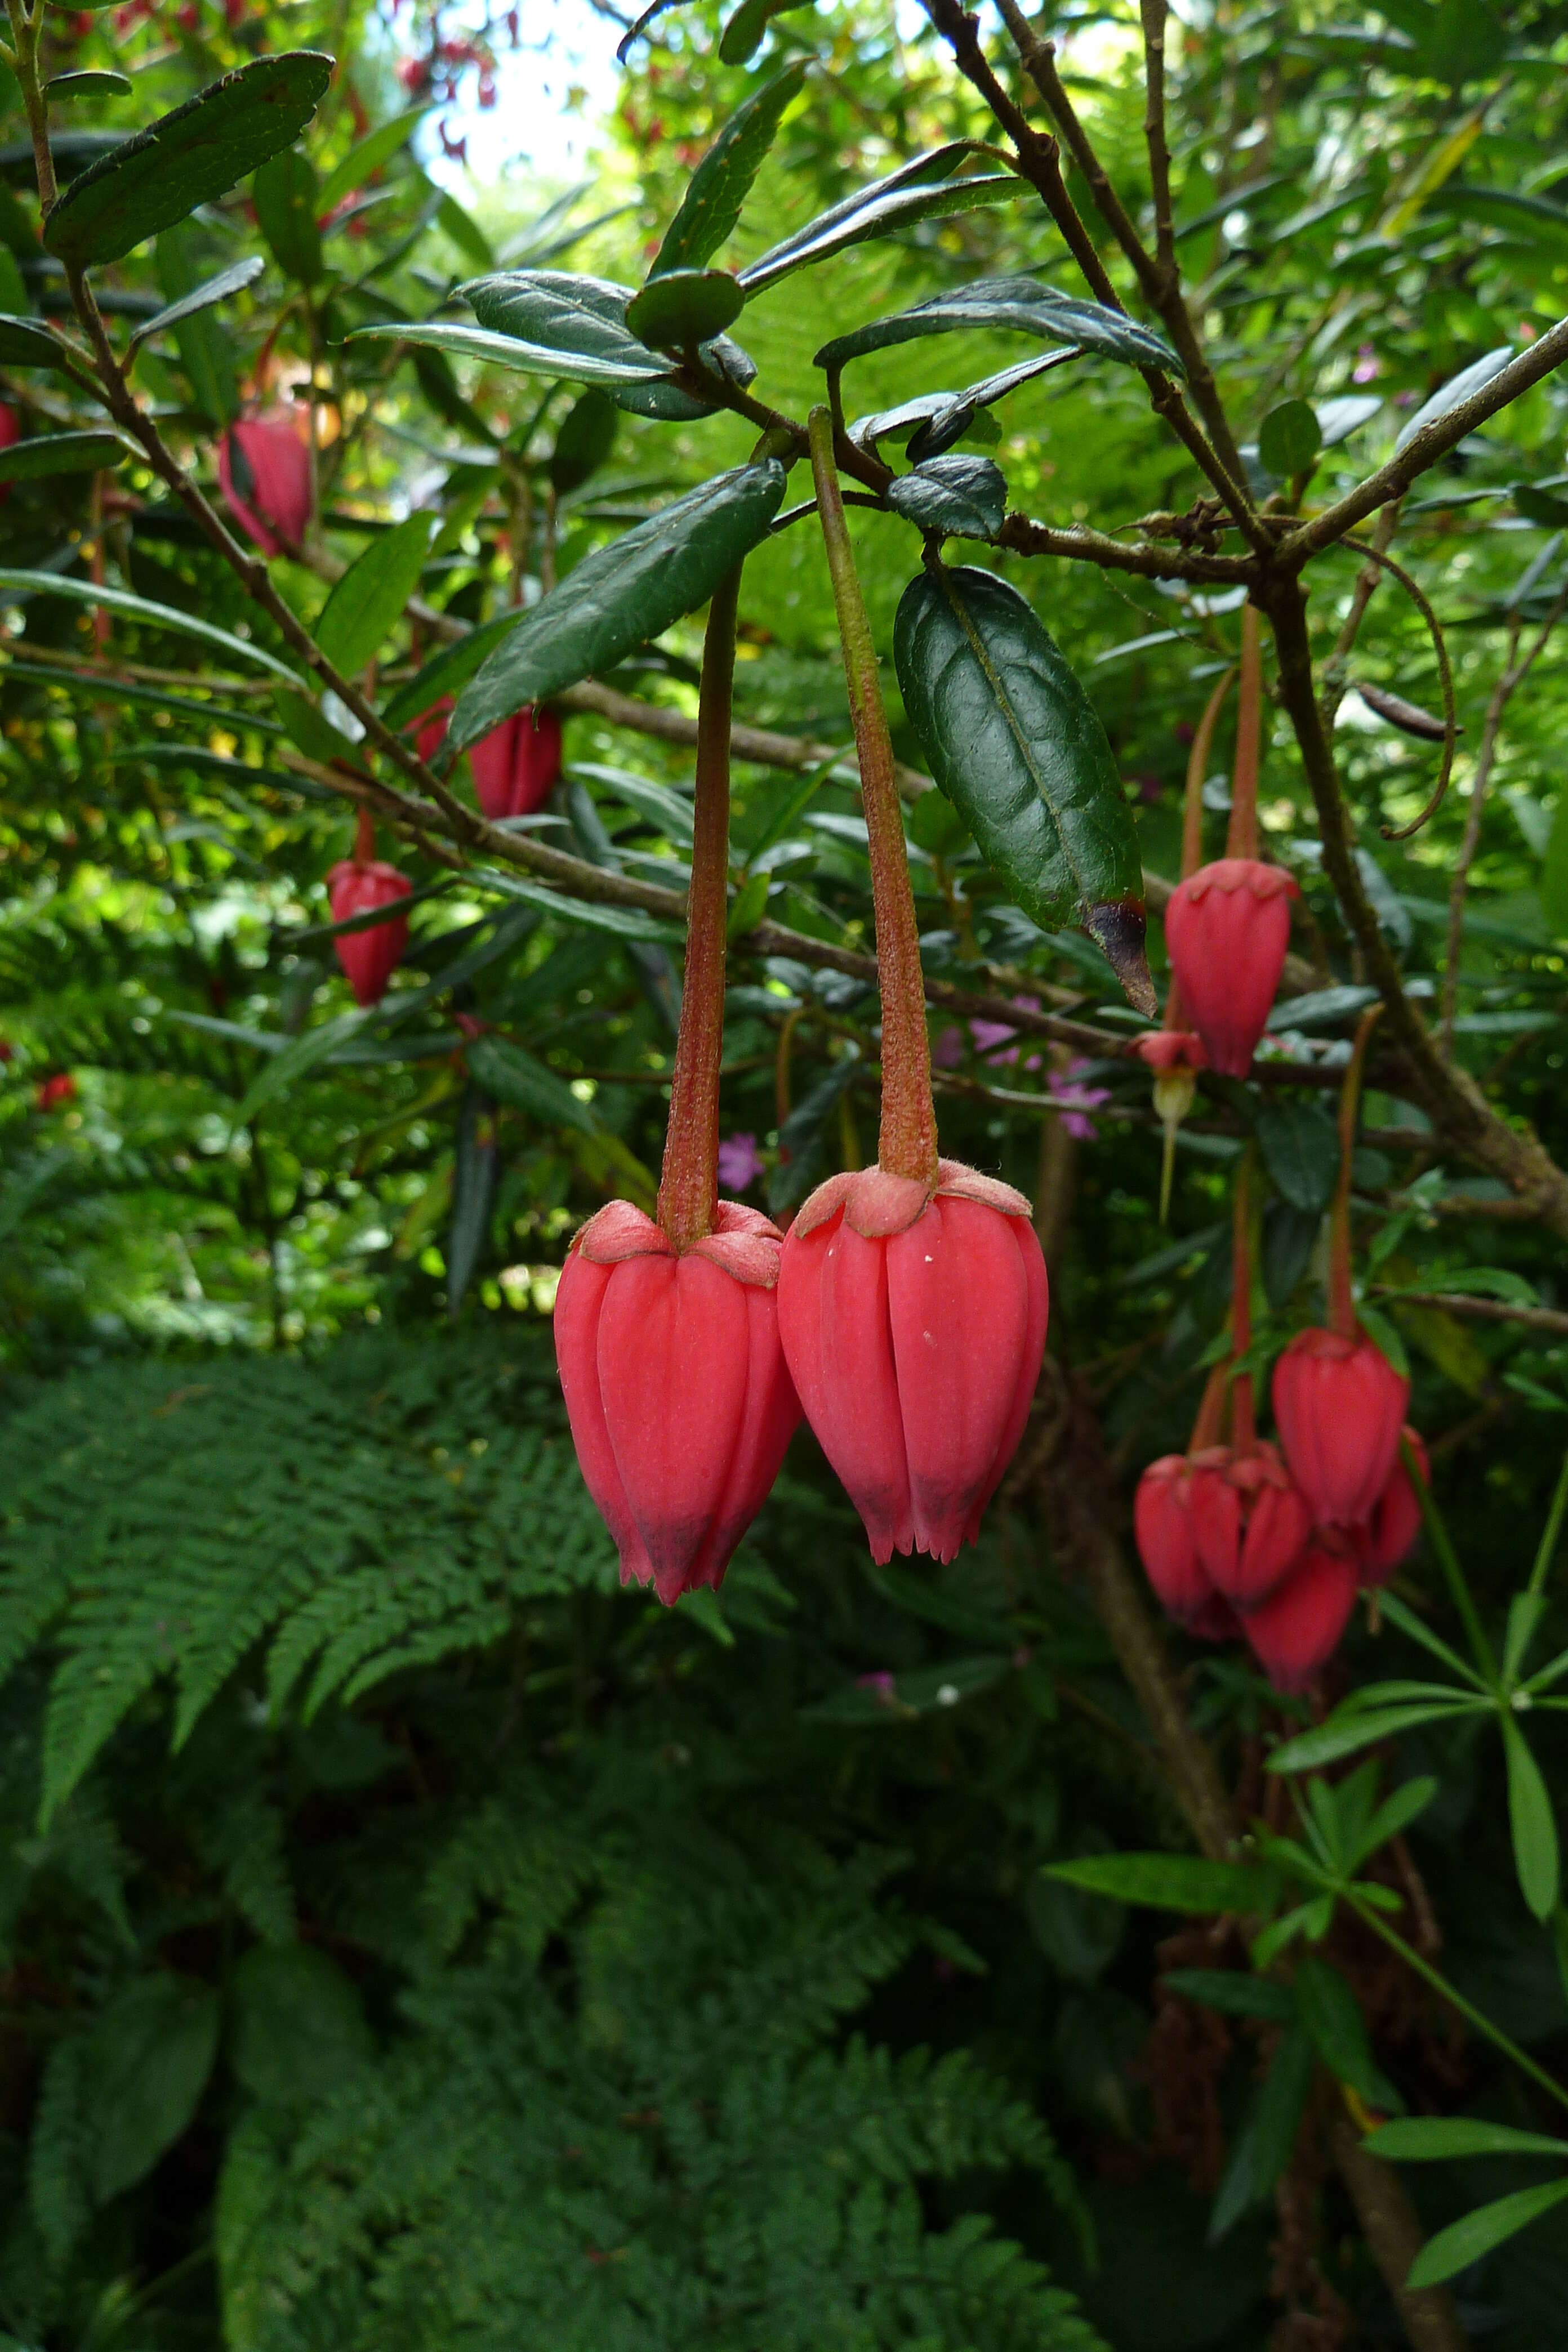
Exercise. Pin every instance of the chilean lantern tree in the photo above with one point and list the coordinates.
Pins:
(783, 1179)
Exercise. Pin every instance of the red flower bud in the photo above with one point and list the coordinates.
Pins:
(265, 469)
(1228, 927)
(10, 431)
(432, 726)
(55, 1091)
(913, 1320)
(676, 1387)
(1163, 1525)
(1339, 1404)
(1293, 1633)
(370, 957)
(1171, 1049)
(1389, 1534)
(1251, 1524)
(515, 766)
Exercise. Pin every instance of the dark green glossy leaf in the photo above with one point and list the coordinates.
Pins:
(1015, 306)
(27, 342)
(1536, 218)
(1454, 394)
(63, 453)
(1530, 1818)
(140, 608)
(186, 158)
(512, 352)
(558, 310)
(1234, 1992)
(369, 600)
(152, 2052)
(722, 180)
(92, 82)
(465, 232)
(515, 1077)
(622, 596)
(1463, 2243)
(1344, 1734)
(959, 498)
(685, 306)
(913, 193)
(586, 914)
(742, 37)
(1013, 741)
(1332, 2017)
(286, 206)
(1541, 507)
(211, 291)
(584, 440)
(1290, 438)
(1440, 2139)
(311, 731)
(1170, 1882)
(1300, 1147)
(372, 154)
(1280, 2106)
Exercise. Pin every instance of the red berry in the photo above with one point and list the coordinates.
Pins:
(1340, 1405)
(370, 956)
(1294, 1633)
(265, 469)
(676, 1387)
(515, 765)
(913, 1320)
(1228, 928)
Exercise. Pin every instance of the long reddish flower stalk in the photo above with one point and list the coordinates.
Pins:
(912, 1299)
(667, 1329)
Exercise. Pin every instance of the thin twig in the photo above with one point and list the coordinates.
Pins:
(1479, 1310)
(1418, 596)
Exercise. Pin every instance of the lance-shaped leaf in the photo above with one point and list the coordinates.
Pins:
(473, 1191)
(368, 600)
(87, 82)
(517, 1078)
(920, 172)
(141, 609)
(881, 215)
(961, 497)
(27, 342)
(1015, 743)
(1463, 2243)
(935, 420)
(1015, 306)
(186, 158)
(369, 156)
(512, 352)
(742, 37)
(1534, 1827)
(722, 180)
(621, 595)
(562, 312)
(585, 914)
(64, 453)
(232, 281)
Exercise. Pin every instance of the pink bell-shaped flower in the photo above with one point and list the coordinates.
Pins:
(1250, 1522)
(676, 1386)
(1162, 1528)
(1340, 1406)
(1228, 931)
(913, 1320)
(1295, 1631)
(515, 765)
(265, 469)
(1388, 1535)
(368, 957)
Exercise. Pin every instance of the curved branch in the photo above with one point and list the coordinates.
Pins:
(1444, 671)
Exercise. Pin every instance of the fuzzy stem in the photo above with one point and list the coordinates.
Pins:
(1197, 761)
(907, 1144)
(1342, 1302)
(1241, 835)
(688, 1184)
(1243, 1427)
(1210, 1419)
(365, 835)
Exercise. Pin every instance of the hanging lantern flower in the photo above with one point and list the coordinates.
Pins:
(515, 765)
(358, 886)
(265, 469)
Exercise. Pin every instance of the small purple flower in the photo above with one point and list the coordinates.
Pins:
(740, 1162)
(1365, 368)
(989, 1035)
(1072, 1101)
(948, 1051)
(882, 1683)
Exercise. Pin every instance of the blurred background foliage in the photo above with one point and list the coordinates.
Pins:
(408, 1939)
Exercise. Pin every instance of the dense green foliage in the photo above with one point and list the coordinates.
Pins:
(408, 1939)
